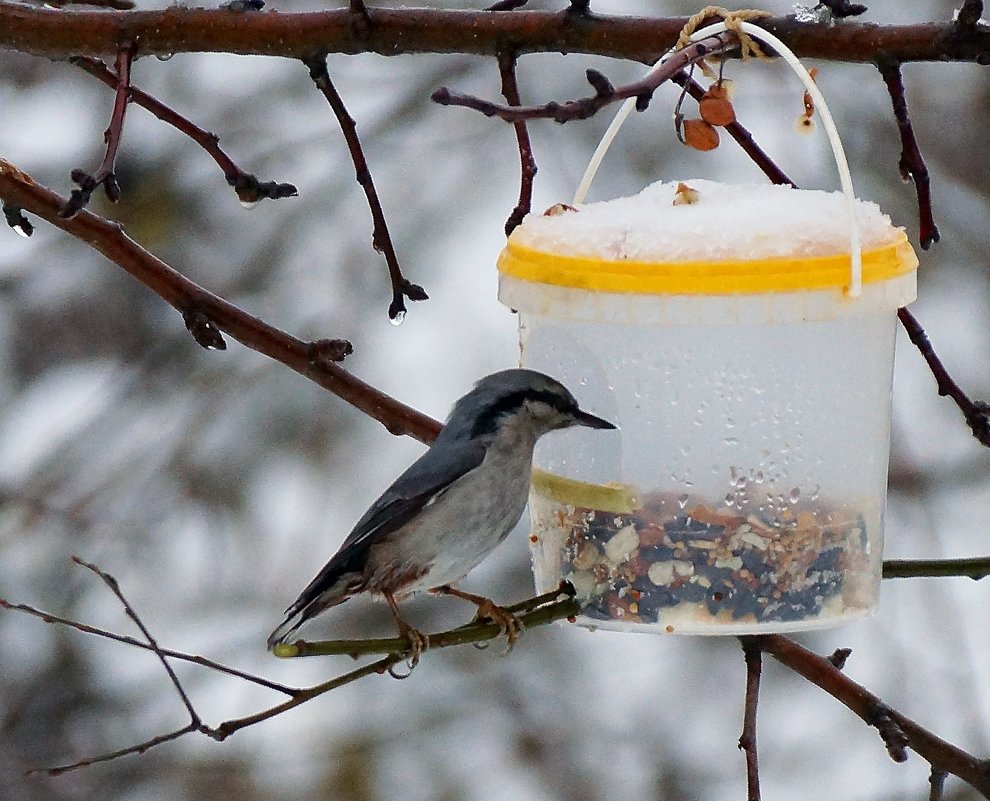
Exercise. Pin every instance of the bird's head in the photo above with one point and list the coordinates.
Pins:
(526, 401)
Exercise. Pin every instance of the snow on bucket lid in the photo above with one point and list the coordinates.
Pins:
(703, 237)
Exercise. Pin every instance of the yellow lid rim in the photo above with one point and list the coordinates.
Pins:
(785, 274)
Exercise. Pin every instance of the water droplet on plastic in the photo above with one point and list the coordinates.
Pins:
(399, 317)
(164, 56)
(759, 477)
(741, 482)
(682, 500)
(730, 498)
(794, 495)
(731, 441)
(20, 230)
(248, 204)
(815, 492)
(730, 423)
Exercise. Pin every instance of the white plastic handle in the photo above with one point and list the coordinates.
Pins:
(845, 179)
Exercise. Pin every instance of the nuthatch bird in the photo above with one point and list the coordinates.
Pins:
(453, 505)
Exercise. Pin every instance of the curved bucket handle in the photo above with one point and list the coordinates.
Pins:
(855, 287)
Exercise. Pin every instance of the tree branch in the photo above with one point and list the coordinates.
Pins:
(247, 186)
(912, 164)
(194, 721)
(314, 360)
(747, 741)
(105, 173)
(605, 94)
(977, 413)
(111, 582)
(975, 568)
(532, 612)
(137, 748)
(539, 610)
(194, 659)
(943, 756)
(424, 30)
(381, 238)
(527, 163)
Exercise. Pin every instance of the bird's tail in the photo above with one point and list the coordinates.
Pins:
(326, 590)
(286, 629)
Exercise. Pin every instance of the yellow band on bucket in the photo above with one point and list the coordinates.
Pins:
(704, 277)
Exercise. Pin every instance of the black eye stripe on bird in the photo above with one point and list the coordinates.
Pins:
(488, 423)
(452, 507)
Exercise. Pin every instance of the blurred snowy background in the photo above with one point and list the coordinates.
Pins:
(213, 485)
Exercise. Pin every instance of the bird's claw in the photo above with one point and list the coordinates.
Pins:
(509, 626)
(418, 644)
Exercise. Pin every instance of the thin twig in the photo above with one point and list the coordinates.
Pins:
(605, 93)
(381, 239)
(194, 720)
(977, 413)
(747, 741)
(229, 727)
(202, 661)
(310, 359)
(137, 748)
(247, 186)
(111, 582)
(527, 163)
(911, 164)
(105, 174)
(976, 568)
(539, 610)
(940, 754)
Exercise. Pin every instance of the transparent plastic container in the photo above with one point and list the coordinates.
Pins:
(745, 489)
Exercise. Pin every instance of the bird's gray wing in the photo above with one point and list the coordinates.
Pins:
(425, 480)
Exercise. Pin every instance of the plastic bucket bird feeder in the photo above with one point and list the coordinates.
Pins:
(747, 357)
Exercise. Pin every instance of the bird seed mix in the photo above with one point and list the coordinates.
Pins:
(674, 562)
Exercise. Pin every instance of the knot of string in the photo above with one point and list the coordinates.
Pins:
(732, 19)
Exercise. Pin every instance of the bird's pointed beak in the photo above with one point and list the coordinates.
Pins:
(583, 418)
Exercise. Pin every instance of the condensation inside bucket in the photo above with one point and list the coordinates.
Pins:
(745, 490)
